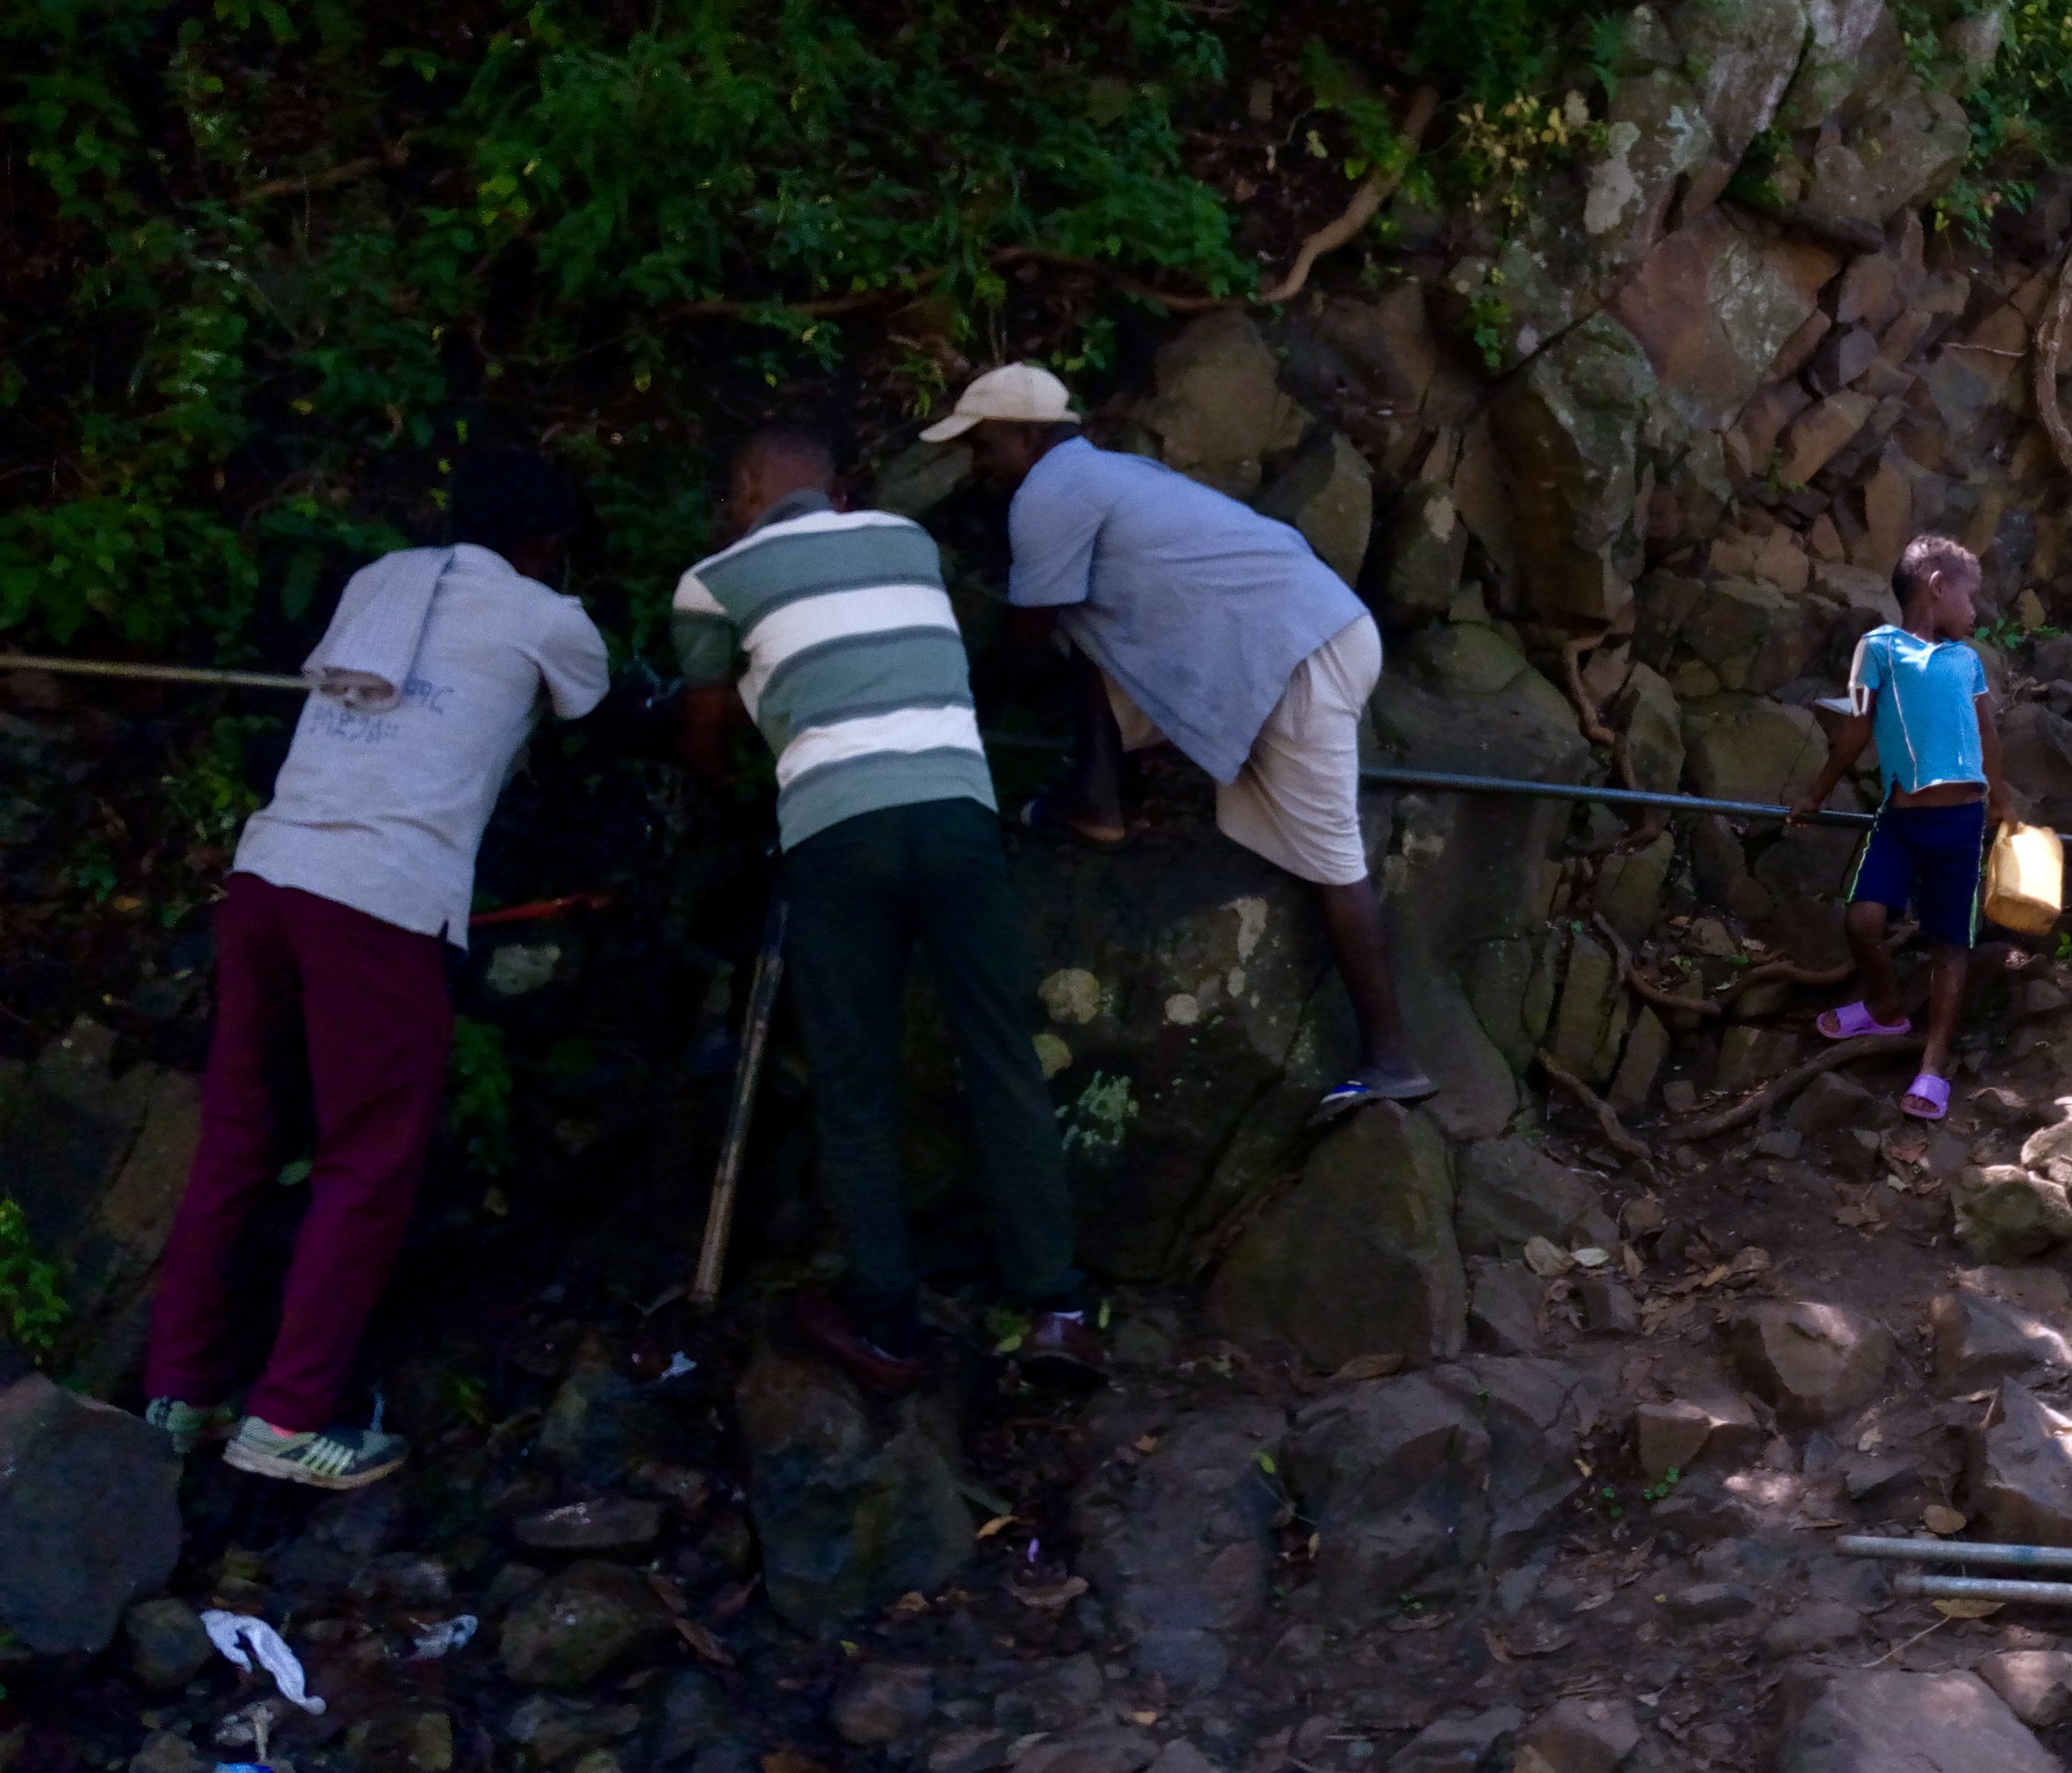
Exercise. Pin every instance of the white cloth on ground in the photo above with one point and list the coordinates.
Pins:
(1296, 799)
(385, 812)
(366, 654)
(226, 1629)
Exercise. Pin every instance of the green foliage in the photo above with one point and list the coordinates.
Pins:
(33, 1305)
(478, 1094)
(1488, 322)
(536, 217)
(1493, 50)
(2019, 103)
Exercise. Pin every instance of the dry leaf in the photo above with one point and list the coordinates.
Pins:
(1590, 1257)
(1146, 1718)
(1054, 1596)
(1368, 1366)
(1714, 1276)
(908, 1605)
(1944, 1521)
(1754, 1260)
(1629, 1260)
(1545, 1259)
(707, 1645)
(1965, 1607)
(789, 1760)
(667, 1592)
(998, 1523)
(1642, 1215)
(1145, 1443)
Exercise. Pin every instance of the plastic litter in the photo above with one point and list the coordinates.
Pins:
(444, 1638)
(679, 1363)
(230, 1632)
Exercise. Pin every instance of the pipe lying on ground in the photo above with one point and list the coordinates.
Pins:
(2034, 1557)
(1983, 1588)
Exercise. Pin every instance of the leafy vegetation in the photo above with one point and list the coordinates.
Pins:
(33, 1305)
(295, 253)
(270, 265)
(479, 1085)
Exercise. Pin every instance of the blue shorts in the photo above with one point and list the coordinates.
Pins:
(1931, 858)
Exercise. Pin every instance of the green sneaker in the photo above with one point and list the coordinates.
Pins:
(188, 1424)
(334, 1459)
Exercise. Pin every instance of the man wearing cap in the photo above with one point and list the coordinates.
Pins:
(1193, 619)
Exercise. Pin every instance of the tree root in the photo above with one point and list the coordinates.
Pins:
(1645, 988)
(1587, 715)
(1375, 189)
(2049, 356)
(1627, 1143)
(1867, 1046)
(298, 184)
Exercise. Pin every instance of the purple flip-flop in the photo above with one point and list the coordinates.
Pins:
(1929, 1089)
(1855, 1019)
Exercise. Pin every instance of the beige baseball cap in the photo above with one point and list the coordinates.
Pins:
(1023, 393)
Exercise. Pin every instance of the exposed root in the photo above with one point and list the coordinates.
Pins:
(1644, 987)
(298, 184)
(1627, 1143)
(1375, 189)
(2050, 353)
(1868, 1046)
(1587, 715)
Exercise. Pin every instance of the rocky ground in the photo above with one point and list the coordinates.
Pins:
(1598, 1536)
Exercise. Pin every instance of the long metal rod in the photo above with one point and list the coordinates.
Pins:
(1377, 775)
(1388, 776)
(2033, 1558)
(154, 673)
(741, 1111)
(1984, 1588)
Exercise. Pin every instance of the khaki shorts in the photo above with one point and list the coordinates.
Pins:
(1296, 800)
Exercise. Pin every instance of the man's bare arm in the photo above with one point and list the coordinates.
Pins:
(701, 743)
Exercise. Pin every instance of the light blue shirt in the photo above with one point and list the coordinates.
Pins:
(1924, 694)
(1196, 605)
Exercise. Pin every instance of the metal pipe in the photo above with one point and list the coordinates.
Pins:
(2034, 1557)
(1377, 775)
(1388, 776)
(1983, 1588)
(154, 673)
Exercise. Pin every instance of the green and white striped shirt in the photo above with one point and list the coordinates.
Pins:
(855, 673)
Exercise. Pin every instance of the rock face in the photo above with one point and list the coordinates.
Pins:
(1181, 1544)
(1809, 1361)
(2006, 1213)
(1414, 1482)
(2036, 1685)
(2018, 1470)
(90, 1520)
(851, 1513)
(1510, 1192)
(1360, 1258)
(577, 1624)
(1881, 1720)
(2000, 1323)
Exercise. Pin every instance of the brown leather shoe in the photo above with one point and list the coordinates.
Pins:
(1063, 1347)
(824, 1321)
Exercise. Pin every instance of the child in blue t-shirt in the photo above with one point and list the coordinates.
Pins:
(1923, 694)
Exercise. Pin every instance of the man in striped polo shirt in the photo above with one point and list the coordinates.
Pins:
(856, 675)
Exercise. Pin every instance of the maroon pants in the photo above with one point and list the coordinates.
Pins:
(365, 1004)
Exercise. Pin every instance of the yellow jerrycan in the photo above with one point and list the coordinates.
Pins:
(2025, 874)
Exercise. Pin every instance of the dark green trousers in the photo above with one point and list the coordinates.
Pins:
(861, 894)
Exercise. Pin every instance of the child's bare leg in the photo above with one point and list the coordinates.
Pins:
(1949, 968)
(1864, 924)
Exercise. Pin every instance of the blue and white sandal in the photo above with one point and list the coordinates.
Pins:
(1357, 1092)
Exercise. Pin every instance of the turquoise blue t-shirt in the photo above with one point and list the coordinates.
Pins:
(1923, 692)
